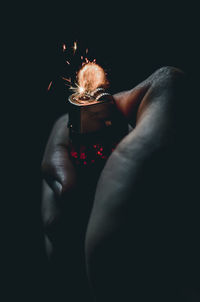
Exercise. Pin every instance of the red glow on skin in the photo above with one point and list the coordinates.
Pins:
(48, 88)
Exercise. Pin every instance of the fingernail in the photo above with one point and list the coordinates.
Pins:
(57, 187)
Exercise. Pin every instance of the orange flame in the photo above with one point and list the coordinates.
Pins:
(90, 77)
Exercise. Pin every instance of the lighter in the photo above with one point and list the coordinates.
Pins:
(95, 124)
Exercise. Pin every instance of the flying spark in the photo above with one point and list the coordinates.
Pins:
(90, 77)
(67, 80)
(75, 47)
(48, 88)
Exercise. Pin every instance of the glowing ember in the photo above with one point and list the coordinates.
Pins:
(90, 77)
(64, 47)
(48, 88)
(65, 79)
(75, 47)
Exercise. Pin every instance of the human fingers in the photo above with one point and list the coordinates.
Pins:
(139, 171)
(57, 166)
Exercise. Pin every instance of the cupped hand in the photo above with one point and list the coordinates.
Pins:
(153, 110)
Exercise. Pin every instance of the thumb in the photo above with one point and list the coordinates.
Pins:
(128, 101)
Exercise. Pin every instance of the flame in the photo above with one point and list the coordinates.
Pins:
(90, 77)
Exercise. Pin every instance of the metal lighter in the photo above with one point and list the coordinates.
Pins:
(96, 126)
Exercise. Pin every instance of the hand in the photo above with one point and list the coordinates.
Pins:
(154, 108)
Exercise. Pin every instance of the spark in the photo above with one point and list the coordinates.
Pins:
(75, 47)
(64, 47)
(78, 89)
(89, 77)
(81, 90)
(68, 80)
(49, 86)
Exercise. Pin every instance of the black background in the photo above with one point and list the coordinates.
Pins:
(131, 42)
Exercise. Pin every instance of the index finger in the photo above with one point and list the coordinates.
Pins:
(57, 167)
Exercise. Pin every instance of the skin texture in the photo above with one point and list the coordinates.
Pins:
(130, 223)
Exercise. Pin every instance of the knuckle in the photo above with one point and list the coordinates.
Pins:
(168, 78)
(168, 73)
